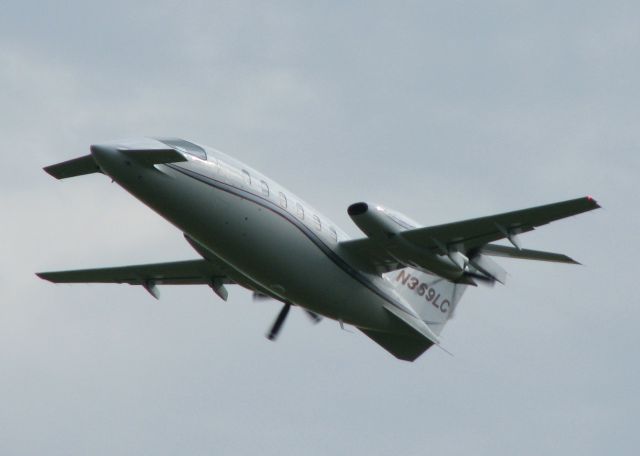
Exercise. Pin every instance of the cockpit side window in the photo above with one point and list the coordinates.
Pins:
(185, 147)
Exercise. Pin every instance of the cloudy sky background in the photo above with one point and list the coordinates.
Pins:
(441, 110)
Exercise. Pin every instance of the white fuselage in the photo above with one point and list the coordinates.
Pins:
(268, 236)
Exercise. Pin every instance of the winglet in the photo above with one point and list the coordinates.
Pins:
(593, 202)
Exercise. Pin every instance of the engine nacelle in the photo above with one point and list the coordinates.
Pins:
(384, 225)
(378, 222)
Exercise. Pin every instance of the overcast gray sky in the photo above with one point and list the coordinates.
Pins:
(441, 110)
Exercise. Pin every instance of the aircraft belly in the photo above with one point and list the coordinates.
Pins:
(275, 253)
(262, 243)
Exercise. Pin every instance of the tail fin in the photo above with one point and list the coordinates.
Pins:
(432, 297)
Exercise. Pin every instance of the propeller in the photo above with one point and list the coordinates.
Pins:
(282, 316)
(277, 325)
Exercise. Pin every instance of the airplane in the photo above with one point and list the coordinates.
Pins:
(399, 284)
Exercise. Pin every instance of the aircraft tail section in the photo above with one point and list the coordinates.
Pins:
(433, 298)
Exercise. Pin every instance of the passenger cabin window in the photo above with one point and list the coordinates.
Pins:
(316, 222)
(233, 175)
(185, 147)
(283, 200)
(246, 177)
(265, 188)
(333, 233)
(300, 211)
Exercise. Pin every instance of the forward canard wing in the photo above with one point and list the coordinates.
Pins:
(74, 167)
(86, 164)
(191, 272)
(454, 249)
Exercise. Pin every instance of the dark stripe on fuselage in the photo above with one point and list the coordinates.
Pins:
(270, 205)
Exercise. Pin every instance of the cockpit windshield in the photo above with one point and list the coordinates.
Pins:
(185, 147)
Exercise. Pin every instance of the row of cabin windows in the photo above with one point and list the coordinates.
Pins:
(300, 211)
(264, 188)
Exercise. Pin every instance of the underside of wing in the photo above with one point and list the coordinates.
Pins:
(460, 249)
(475, 233)
(525, 254)
(191, 272)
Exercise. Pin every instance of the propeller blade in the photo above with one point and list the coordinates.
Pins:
(277, 325)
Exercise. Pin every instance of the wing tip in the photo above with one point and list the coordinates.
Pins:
(51, 172)
(54, 171)
(43, 276)
(590, 199)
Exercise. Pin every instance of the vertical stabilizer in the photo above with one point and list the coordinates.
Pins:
(432, 297)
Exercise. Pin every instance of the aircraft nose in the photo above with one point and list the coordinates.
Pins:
(106, 155)
(102, 151)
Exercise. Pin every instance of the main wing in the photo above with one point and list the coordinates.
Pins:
(191, 272)
(475, 233)
(469, 236)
